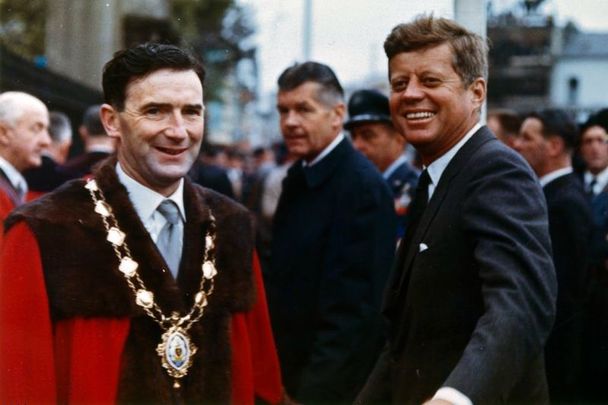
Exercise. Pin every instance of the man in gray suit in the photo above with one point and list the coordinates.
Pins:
(472, 296)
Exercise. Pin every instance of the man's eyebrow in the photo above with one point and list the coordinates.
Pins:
(168, 105)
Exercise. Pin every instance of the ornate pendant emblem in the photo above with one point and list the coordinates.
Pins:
(176, 352)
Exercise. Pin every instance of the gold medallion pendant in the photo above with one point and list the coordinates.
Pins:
(176, 352)
(176, 349)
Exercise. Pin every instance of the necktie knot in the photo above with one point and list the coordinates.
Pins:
(591, 186)
(170, 211)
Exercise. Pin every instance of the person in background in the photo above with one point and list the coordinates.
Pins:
(97, 144)
(504, 124)
(136, 285)
(50, 174)
(374, 135)
(594, 153)
(24, 123)
(547, 140)
(208, 173)
(332, 244)
(471, 299)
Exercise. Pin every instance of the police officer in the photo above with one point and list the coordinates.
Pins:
(374, 135)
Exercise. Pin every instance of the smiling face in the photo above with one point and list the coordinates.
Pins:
(307, 124)
(429, 102)
(160, 129)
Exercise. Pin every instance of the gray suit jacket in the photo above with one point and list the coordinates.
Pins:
(472, 298)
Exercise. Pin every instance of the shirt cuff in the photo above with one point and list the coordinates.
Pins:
(452, 395)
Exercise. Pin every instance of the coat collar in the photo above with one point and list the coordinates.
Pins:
(317, 174)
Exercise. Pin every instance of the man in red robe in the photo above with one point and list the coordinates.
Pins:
(106, 298)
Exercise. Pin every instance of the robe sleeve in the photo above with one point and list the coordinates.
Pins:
(27, 372)
(255, 364)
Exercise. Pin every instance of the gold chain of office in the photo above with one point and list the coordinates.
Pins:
(176, 349)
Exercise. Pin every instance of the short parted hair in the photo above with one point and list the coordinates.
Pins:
(557, 122)
(91, 120)
(599, 119)
(331, 91)
(140, 61)
(60, 127)
(470, 51)
(509, 120)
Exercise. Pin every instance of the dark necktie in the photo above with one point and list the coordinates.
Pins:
(591, 186)
(170, 237)
(418, 205)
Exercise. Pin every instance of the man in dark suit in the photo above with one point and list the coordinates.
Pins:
(97, 144)
(374, 135)
(472, 296)
(547, 140)
(594, 152)
(333, 242)
(51, 174)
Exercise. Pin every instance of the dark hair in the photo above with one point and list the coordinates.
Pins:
(91, 120)
(300, 73)
(470, 50)
(140, 61)
(557, 122)
(509, 120)
(599, 119)
(60, 127)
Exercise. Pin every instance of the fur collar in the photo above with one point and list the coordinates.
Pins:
(83, 280)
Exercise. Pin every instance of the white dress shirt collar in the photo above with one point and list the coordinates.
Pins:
(601, 180)
(146, 201)
(325, 151)
(16, 179)
(437, 168)
(549, 177)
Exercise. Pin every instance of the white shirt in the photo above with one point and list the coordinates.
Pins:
(325, 151)
(601, 180)
(14, 177)
(549, 177)
(146, 201)
(436, 169)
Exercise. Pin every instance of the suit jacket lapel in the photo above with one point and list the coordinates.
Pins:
(482, 136)
(7, 186)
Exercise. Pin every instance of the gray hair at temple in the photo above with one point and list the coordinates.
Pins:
(330, 92)
(60, 127)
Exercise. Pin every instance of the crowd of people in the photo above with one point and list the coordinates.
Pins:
(389, 250)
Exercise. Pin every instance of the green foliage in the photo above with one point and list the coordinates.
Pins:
(22, 25)
(217, 30)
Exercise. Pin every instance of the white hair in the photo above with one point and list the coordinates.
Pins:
(12, 103)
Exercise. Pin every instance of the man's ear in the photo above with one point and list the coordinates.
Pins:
(5, 134)
(556, 145)
(339, 112)
(110, 120)
(478, 91)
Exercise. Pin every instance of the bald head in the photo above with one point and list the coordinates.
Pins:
(24, 122)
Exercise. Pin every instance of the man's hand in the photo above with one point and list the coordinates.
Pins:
(437, 402)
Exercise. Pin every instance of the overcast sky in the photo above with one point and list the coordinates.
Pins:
(348, 34)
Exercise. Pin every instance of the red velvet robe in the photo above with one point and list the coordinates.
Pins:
(78, 360)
